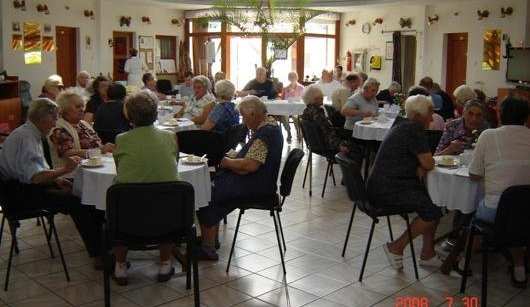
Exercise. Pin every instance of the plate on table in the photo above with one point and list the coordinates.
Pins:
(194, 160)
(447, 161)
(92, 163)
(171, 122)
(367, 122)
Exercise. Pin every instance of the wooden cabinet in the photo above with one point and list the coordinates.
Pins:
(505, 92)
(10, 107)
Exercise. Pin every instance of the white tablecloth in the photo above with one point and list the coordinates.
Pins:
(453, 189)
(91, 184)
(284, 107)
(166, 112)
(375, 131)
(182, 126)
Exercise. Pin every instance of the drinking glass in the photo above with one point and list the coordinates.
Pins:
(94, 153)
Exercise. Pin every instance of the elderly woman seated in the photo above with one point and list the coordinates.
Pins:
(501, 159)
(252, 174)
(99, 89)
(133, 155)
(404, 158)
(463, 94)
(361, 104)
(150, 84)
(388, 94)
(224, 115)
(72, 136)
(462, 132)
(201, 103)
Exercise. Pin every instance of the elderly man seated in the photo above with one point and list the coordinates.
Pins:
(361, 104)
(251, 174)
(501, 158)
(22, 160)
(260, 86)
(83, 83)
(404, 158)
(52, 87)
(327, 84)
(388, 94)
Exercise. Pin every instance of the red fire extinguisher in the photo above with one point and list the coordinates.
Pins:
(349, 60)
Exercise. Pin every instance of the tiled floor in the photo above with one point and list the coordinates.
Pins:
(317, 276)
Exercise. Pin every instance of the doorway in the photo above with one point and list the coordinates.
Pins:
(456, 55)
(408, 61)
(122, 43)
(66, 54)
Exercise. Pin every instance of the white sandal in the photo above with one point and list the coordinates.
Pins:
(396, 261)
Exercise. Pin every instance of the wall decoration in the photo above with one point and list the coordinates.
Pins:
(89, 14)
(19, 4)
(432, 19)
(15, 26)
(280, 54)
(125, 21)
(483, 14)
(47, 44)
(16, 42)
(32, 36)
(43, 8)
(491, 56)
(47, 28)
(366, 28)
(377, 21)
(375, 62)
(110, 42)
(506, 11)
(175, 21)
(146, 19)
(359, 60)
(146, 52)
(405, 22)
(351, 22)
(88, 42)
(389, 50)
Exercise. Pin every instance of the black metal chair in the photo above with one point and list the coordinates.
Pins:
(202, 142)
(509, 230)
(272, 203)
(147, 214)
(351, 174)
(316, 143)
(164, 86)
(10, 198)
(433, 137)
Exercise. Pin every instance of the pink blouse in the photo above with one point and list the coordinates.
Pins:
(289, 92)
(437, 123)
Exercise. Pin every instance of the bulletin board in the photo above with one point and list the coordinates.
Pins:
(146, 45)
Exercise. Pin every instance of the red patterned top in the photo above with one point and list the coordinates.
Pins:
(63, 141)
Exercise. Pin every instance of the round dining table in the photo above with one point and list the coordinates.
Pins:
(453, 189)
(373, 131)
(283, 107)
(91, 184)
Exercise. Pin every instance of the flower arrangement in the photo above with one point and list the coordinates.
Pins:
(125, 20)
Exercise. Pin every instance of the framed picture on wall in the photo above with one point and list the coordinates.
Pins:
(389, 50)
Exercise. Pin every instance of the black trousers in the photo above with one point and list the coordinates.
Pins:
(87, 219)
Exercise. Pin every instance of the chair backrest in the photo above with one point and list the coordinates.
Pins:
(12, 196)
(289, 171)
(164, 86)
(433, 137)
(202, 142)
(149, 211)
(47, 153)
(233, 136)
(512, 223)
(353, 180)
(108, 135)
(313, 137)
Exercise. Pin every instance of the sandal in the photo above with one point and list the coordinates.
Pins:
(396, 261)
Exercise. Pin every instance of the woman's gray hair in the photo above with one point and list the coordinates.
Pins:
(419, 105)
(40, 108)
(252, 104)
(371, 82)
(394, 86)
(224, 90)
(67, 97)
(474, 103)
(310, 94)
(142, 108)
(203, 80)
(339, 98)
(463, 93)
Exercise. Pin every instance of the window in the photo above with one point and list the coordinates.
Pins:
(319, 53)
(165, 47)
(320, 27)
(281, 68)
(245, 56)
(198, 27)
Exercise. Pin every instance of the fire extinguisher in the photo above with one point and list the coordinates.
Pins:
(349, 60)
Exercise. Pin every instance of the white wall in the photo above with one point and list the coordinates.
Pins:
(97, 58)
(430, 60)
(467, 21)
(352, 37)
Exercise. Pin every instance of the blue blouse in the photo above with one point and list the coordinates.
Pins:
(224, 115)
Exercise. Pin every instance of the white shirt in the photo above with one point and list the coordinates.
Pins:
(329, 87)
(134, 67)
(83, 92)
(502, 157)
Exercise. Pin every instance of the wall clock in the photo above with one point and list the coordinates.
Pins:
(366, 27)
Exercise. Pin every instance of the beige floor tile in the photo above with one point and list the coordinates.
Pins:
(254, 285)
(324, 303)
(318, 285)
(384, 284)
(26, 291)
(253, 303)
(288, 296)
(153, 295)
(254, 244)
(433, 296)
(222, 296)
(355, 296)
(218, 273)
(81, 293)
(181, 302)
(293, 273)
(518, 301)
(45, 300)
(115, 301)
(254, 262)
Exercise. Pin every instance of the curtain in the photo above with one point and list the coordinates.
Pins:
(396, 58)
(200, 66)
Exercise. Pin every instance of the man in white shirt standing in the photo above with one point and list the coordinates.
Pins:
(327, 84)
(83, 83)
(134, 67)
(502, 159)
